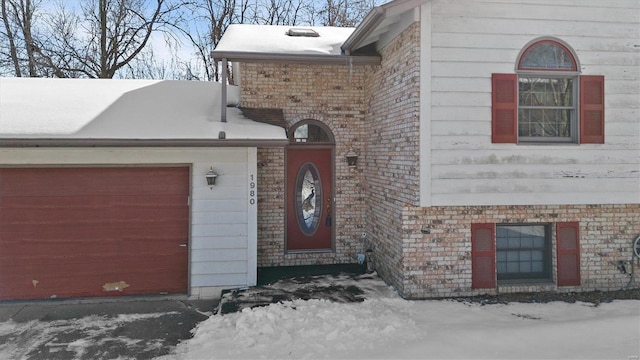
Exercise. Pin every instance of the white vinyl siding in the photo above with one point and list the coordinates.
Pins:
(471, 39)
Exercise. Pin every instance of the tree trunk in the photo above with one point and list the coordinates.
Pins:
(27, 16)
(10, 37)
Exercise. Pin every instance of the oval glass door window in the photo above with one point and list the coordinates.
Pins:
(308, 198)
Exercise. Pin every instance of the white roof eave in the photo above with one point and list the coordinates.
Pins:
(245, 56)
(378, 21)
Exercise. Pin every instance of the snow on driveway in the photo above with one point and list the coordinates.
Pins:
(87, 330)
(72, 338)
(385, 326)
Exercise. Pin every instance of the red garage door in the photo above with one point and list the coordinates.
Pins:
(78, 232)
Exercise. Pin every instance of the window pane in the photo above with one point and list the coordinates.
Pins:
(544, 122)
(547, 55)
(525, 255)
(308, 203)
(535, 91)
(502, 268)
(537, 266)
(537, 255)
(538, 242)
(501, 256)
(546, 107)
(302, 133)
(311, 133)
(308, 199)
(522, 252)
(502, 232)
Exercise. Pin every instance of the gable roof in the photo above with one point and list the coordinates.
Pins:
(382, 24)
(106, 112)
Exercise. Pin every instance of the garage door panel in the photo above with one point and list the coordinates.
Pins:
(83, 238)
(92, 285)
(66, 275)
(77, 239)
(36, 211)
(107, 255)
(96, 181)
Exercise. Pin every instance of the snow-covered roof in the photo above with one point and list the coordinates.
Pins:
(255, 43)
(246, 42)
(275, 39)
(127, 111)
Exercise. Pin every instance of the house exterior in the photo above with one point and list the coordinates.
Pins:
(104, 191)
(473, 146)
(498, 144)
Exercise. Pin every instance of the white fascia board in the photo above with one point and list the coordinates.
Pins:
(257, 57)
(425, 106)
(137, 143)
(379, 17)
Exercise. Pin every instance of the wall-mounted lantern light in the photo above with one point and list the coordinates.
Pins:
(352, 158)
(211, 178)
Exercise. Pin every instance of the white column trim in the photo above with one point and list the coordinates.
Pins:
(252, 216)
(425, 105)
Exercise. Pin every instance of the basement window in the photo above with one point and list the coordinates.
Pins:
(303, 32)
(523, 252)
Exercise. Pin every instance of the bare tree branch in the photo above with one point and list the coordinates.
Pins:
(113, 38)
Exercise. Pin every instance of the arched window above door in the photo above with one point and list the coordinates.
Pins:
(310, 131)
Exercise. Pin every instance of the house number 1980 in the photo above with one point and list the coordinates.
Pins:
(252, 189)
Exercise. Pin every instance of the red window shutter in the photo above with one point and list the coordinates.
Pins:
(591, 109)
(568, 253)
(483, 256)
(504, 108)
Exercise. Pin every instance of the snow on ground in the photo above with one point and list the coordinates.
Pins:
(384, 326)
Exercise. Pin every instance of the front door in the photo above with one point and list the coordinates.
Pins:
(309, 199)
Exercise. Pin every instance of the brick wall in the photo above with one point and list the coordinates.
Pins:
(439, 264)
(336, 96)
(392, 150)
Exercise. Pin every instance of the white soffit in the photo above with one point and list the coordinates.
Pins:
(383, 23)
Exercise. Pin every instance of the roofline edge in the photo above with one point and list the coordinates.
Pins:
(370, 22)
(295, 58)
(373, 19)
(137, 143)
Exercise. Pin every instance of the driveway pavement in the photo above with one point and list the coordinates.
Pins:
(122, 329)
